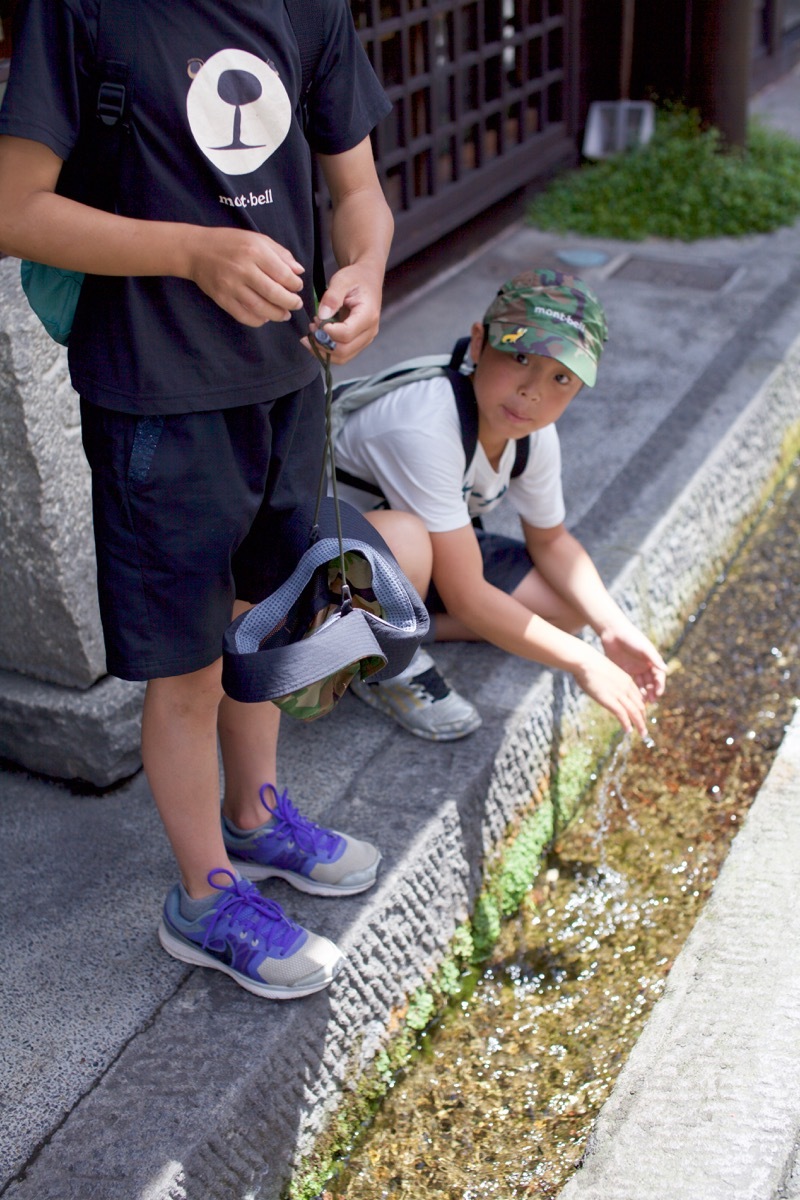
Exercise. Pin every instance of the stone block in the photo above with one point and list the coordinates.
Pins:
(49, 618)
(92, 734)
(59, 712)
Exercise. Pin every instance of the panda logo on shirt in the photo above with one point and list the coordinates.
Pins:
(239, 111)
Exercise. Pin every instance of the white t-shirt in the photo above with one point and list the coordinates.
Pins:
(408, 442)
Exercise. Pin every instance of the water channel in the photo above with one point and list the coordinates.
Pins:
(509, 1081)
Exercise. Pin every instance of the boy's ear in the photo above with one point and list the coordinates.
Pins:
(477, 339)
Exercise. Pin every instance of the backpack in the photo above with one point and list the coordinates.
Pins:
(90, 173)
(352, 394)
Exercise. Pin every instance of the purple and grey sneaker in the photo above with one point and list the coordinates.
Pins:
(251, 939)
(291, 847)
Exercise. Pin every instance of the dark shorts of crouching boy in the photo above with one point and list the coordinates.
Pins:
(506, 562)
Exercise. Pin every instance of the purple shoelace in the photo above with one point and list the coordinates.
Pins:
(243, 906)
(290, 824)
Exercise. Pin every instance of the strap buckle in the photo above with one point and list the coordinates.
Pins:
(111, 102)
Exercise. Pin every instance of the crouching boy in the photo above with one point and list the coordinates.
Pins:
(539, 342)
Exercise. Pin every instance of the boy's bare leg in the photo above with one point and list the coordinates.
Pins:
(179, 752)
(537, 596)
(248, 738)
(409, 542)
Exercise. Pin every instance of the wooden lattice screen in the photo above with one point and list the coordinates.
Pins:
(481, 94)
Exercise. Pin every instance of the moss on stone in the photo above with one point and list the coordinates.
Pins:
(506, 881)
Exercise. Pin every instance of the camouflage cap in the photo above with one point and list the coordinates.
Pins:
(546, 312)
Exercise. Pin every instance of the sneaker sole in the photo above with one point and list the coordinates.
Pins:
(313, 887)
(196, 957)
(374, 701)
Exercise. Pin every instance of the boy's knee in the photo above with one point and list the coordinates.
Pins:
(409, 526)
(409, 541)
(195, 693)
(403, 532)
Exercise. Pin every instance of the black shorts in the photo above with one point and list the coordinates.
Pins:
(190, 513)
(506, 562)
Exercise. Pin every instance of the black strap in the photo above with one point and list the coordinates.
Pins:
(328, 464)
(308, 25)
(459, 354)
(362, 485)
(307, 19)
(91, 174)
(521, 458)
(467, 407)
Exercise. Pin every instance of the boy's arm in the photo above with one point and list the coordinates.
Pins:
(361, 234)
(564, 563)
(504, 621)
(248, 274)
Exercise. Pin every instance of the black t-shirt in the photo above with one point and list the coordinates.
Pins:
(215, 139)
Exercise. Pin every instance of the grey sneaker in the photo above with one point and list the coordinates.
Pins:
(310, 857)
(422, 701)
(251, 939)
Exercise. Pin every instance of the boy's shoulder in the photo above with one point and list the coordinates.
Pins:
(403, 401)
(352, 395)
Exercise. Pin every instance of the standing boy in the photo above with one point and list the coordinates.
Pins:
(539, 342)
(202, 410)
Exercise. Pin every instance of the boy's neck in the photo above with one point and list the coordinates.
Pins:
(493, 446)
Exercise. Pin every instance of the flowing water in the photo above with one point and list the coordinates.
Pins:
(504, 1092)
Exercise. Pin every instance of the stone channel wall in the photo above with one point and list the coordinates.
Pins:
(660, 582)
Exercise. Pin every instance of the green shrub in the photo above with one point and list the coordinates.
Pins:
(682, 184)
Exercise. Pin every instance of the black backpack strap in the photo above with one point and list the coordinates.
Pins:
(467, 408)
(521, 459)
(343, 476)
(467, 411)
(459, 354)
(307, 20)
(91, 173)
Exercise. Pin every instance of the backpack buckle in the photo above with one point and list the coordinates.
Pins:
(111, 102)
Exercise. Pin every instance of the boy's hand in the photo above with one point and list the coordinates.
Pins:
(632, 651)
(354, 296)
(614, 688)
(253, 278)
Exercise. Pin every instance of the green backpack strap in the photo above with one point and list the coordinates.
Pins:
(91, 172)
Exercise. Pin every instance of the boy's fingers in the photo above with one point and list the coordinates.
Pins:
(252, 308)
(330, 318)
(636, 710)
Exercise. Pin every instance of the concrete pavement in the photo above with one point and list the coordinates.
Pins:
(124, 1075)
